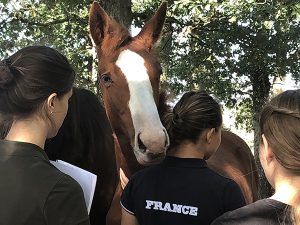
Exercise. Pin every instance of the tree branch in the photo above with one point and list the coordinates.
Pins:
(73, 18)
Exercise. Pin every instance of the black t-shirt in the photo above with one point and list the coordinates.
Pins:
(262, 212)
(34, 192)
(180, 191)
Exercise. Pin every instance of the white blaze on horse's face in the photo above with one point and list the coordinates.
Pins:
(151, 139)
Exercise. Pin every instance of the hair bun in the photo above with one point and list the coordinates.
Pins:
(6, 76)
(177, 119)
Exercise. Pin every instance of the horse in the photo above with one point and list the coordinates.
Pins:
(85, 140)
(129, 74)
(235, 160)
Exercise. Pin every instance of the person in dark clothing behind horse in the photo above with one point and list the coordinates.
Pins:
(85, 140)
(182, 189)
(35, 86)
(280, 158)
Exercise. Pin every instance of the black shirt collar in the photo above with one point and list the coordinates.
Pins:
(16, 148)
(184, 162)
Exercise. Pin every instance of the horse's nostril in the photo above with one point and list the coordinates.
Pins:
(141, 144)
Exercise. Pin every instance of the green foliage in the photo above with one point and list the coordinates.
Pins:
(59, 24)
(233, 48)
(243, 117)
(3, 2)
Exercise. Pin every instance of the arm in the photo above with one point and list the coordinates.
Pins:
(128, 204)
(128, 219)
(65, 204)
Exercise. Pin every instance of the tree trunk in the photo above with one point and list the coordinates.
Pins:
(120, 10)
(261, 89)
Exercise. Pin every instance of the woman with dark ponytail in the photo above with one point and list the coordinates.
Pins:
(182, 189)
(280, 159)
(35, 86)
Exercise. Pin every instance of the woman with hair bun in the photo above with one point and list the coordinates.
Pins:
(35, 86)
(280, 158)
(182, 189)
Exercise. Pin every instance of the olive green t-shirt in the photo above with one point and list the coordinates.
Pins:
(34, 192)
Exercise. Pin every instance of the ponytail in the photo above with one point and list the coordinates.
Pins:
(194, 112)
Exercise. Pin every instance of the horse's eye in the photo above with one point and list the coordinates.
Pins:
(106, 79)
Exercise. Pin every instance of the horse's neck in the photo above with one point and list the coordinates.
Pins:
(125, 157)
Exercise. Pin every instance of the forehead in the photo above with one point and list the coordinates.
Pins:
(137, 47)
(132, 64)
(133, 60)
(137, 65)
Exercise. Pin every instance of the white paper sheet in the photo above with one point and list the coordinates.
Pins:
(86, 179)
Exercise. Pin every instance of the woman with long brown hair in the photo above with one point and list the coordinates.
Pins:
(280, 159)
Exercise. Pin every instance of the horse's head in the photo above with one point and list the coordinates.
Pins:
(129, 78)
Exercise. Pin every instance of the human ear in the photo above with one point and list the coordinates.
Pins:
(268, 154)
(51, 102)
(209, 135)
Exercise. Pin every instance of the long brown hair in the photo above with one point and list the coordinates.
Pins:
(280, 123)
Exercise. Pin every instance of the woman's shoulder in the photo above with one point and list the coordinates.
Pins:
(66, 202)
(265, 211)
(55, 180)
(151, 170)
(66, 181)
(145, 176)
(220, 179)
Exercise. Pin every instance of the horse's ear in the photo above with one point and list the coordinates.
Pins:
(150, 33)
(99, 22)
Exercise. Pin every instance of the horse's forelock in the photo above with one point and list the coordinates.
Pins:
(117, 37)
